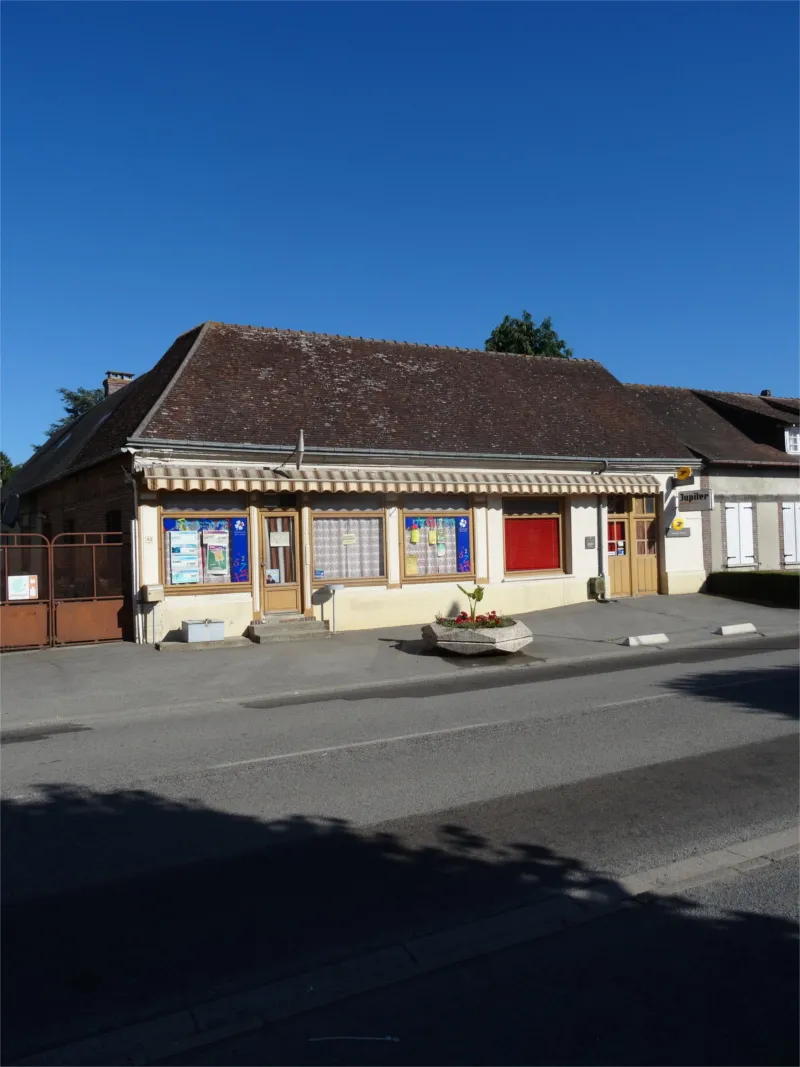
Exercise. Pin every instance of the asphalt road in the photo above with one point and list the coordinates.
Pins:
(709, 977)
(154, 860)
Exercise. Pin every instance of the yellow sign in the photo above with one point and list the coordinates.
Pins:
(678, 523)
(682, 473)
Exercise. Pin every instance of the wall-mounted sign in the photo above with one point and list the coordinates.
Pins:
(23, 587)
(678, 523)
(682, 473)
(280, 539)
(590, 542)
(696, 500)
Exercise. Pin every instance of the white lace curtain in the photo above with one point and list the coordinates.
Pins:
(348, 548)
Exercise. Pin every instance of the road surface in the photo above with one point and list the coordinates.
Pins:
(158, 859)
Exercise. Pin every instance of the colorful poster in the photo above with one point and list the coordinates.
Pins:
(216, 549)
(273, 576)
(463, 547)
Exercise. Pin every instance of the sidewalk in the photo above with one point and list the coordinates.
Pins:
(76, 682)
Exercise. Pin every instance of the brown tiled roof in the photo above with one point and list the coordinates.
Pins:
(757, 405)
(704, 429)
(106, 427)
(248, 385)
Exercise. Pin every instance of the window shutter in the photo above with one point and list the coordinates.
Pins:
(791, 532)
(732, 534)
(746, 545)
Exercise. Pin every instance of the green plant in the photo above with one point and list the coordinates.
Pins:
(474, 598)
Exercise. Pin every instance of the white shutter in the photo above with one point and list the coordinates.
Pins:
(732, 534)
(746, 547)
(791, 532)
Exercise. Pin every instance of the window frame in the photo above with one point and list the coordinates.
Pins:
(792, 433)
(544, 572)
(320, 583)
(415, 513)
(201, 589)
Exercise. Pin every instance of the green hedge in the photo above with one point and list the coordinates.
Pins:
(778, 588)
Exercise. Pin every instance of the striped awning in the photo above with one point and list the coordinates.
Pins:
(391, 480)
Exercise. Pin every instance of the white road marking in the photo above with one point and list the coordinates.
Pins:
(450, 730)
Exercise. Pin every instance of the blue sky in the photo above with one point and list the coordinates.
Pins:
(407, 171)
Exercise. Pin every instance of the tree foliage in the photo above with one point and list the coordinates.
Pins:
(7, 468)
(525, 338)
(76, 403)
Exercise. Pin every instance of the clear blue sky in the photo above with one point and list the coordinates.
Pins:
(408, 171)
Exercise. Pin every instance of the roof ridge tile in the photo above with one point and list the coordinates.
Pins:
(388, 341)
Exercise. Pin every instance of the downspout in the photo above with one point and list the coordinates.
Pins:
(602, 530)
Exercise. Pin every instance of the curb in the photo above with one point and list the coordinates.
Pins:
(217, 1020)
(622, 653)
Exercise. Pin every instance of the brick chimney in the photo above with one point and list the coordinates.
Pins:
(116, 379)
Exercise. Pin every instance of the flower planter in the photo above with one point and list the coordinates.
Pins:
(477, 642)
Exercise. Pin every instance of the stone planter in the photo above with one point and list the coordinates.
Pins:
(477, 642)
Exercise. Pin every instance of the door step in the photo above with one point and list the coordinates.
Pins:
(291, 627)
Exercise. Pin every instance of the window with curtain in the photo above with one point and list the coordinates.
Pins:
(436, 545)
(532, 531)
(205, 551)
(348, 548)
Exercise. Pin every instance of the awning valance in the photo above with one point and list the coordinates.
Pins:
(390, 480)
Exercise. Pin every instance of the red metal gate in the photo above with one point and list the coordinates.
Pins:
(24, 619)
(80, 584)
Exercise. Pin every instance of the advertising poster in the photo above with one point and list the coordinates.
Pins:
(216, 546)
(184, 557)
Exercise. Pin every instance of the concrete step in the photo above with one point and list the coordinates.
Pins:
(272, 633)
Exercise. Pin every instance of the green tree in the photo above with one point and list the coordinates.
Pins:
(7, 468)
(76, 403)
(524, 337)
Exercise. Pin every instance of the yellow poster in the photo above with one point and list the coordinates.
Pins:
(411, 566)
(432, 535)
(414, 535)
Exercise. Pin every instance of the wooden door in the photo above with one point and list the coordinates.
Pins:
(644, 546)
(280, 570)
(619, 564)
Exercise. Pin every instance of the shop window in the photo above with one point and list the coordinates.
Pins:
(348, 548)
(205, 551)
(435, 545)
(532, 531)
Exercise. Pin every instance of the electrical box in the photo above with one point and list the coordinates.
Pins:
(597, 586)
(152, 594)
(202, 630)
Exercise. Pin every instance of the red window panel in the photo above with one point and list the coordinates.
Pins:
(532, 544)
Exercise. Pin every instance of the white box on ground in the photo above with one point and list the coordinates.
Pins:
(735, 628)
(646, 639)
(202, 630)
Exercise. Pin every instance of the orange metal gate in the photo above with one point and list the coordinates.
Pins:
(80, 587)
(24, 619)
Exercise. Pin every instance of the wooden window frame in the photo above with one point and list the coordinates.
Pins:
(201, 589)
(421, 579)
(547, 572)
(320, 583)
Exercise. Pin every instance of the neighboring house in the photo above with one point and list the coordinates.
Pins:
(750, 447)
(423, 467)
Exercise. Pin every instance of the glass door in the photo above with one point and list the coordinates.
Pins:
(280, 579)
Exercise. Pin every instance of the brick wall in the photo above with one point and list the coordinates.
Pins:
(80, 502)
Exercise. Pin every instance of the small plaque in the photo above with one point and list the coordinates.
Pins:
(590, 542)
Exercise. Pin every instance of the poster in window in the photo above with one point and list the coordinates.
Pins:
(217, 551)
(184, 557)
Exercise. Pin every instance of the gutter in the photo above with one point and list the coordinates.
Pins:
(202, 446)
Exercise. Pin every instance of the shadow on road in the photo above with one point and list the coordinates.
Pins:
(277, 898)
(771, 689)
